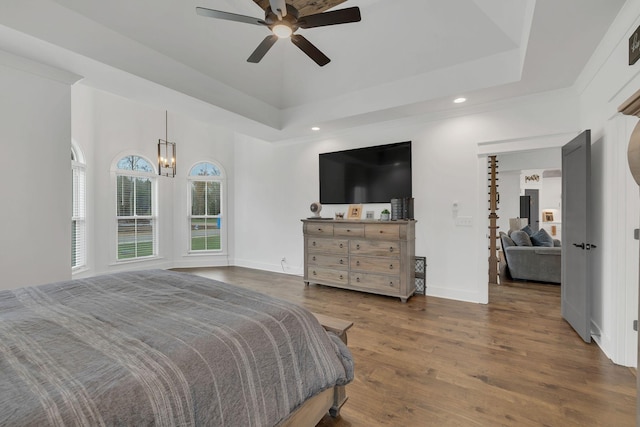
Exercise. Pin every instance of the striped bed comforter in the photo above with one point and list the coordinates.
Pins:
(159, 348)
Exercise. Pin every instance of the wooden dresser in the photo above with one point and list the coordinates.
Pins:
(368, 256)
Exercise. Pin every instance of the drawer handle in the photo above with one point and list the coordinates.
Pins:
(390, 248)
(348, 230)
(314, 258)
(358, 279)
(358, 246)
(381, 231)
(341, 277)
(341, 246)
(391, 284)
(313, 243)
(358, 263)
(314, 273)
(341, 261)
(320, 230)
(390, 266)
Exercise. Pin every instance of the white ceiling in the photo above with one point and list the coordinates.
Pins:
(405, 56)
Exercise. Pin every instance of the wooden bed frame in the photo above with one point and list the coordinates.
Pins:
(330, 400)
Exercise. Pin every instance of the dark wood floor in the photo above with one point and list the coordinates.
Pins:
(437, 362)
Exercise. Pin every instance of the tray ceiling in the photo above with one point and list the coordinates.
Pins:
(404, 57)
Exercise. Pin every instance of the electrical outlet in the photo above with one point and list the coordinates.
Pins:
(464, 221)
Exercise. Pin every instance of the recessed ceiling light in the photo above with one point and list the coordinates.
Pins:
(459, 100)
(315, 128)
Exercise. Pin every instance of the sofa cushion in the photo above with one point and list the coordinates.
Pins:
(542, 238)
(527, 230)
(506, 241)
(521, 238)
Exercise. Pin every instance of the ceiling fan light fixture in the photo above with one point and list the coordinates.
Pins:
(282, 30)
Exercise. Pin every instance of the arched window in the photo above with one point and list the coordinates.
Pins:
(135, 211)
(206, 186)
(78, 210)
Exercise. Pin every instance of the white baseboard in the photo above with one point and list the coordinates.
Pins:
(275, 268)
(454, 294)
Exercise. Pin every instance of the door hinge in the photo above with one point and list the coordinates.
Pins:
(635, 325)
(636, 233)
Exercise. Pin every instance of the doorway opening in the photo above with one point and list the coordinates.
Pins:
(530, 194)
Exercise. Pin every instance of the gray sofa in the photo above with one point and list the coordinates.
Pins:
(539, 263)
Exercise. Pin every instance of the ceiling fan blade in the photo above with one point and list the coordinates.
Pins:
(210, 13)
(312, 52)
(262, 48)
(342, 16)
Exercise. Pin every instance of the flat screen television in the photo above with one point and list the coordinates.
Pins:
(366, 175)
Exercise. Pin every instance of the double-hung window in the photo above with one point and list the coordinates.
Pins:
(78, 212)
(135, 211)
(206, 214)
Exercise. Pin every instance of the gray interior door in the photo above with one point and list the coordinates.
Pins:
(576, 244)
(534, 209)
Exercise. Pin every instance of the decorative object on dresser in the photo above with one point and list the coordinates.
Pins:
(315, 209)
(355, 211)
(402, 208)
(384, 215)
(367, 256)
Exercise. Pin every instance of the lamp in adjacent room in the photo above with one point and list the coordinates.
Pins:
(166, 153)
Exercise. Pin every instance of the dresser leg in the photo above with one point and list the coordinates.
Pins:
(306, 283)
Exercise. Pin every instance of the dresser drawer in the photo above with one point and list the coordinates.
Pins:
(375, 265)
(334, 246)
(382, 231)
(375, 248)
(319, 229)
(378, 282)
(329, 261)
(348, 230)
(327, 275)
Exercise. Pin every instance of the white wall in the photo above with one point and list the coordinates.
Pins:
(35, 218)
(510, 166)
(107, 127)
(276, 184)
(605, 83)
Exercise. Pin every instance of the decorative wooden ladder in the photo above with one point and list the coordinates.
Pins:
(494, 199)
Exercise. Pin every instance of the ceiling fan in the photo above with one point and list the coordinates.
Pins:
(283, 21)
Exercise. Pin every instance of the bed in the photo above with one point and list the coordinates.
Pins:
(164, 348)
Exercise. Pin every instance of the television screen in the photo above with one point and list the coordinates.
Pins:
(366, 175)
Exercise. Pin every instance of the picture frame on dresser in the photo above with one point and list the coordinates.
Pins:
(355, 212)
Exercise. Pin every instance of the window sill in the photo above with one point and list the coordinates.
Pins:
(136, 260)
(206, 253)
(79, 270)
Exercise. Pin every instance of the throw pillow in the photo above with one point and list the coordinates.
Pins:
(506, 241)
(542, 238)
(527, 230)
(521, 238)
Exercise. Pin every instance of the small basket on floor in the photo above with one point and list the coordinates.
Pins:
(421, 275)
